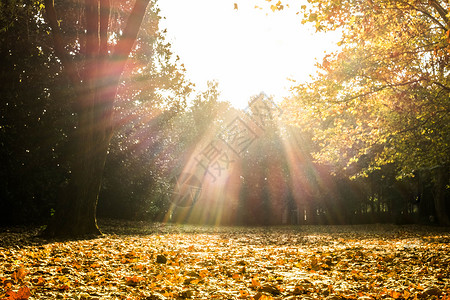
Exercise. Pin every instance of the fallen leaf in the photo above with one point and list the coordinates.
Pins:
(19, 274)
(22, 294)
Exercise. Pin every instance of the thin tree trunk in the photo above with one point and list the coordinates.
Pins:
(440, 199)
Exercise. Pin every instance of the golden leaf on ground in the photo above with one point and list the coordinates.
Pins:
(19, 274)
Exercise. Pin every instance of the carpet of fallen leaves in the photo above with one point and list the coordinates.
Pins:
(162, 261)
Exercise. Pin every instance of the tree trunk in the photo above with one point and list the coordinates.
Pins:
(440, 198)
(75, 214)
(96, 87)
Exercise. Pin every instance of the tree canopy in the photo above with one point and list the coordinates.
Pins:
(385, 93)
(383, 97)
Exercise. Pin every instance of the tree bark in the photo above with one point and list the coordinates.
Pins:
(75, 214)
(96, 89)
(440, 198)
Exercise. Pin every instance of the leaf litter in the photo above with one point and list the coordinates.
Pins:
(161, 261)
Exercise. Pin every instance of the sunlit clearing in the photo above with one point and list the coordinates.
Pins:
(206, 192)
(274, 182)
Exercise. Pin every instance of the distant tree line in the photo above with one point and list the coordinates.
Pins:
(279, 183)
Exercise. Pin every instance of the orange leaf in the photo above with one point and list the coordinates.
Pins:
(8, 284)
(203, 273)
(255, 282)
(395, 294)
(19, 274)
(22, 294)
(40, 281)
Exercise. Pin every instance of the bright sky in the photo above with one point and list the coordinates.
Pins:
(247, 51)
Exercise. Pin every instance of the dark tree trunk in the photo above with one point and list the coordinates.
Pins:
(440, 198)
(75, 213)
(96, 87)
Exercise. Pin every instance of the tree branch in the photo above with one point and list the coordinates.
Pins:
(441, 85)
(378, 89)
(59, 43)
(126, 42)
(105, 9)
(426, 13)
(442, 12)
(114, 70)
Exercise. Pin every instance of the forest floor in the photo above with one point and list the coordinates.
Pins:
(135, 260)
